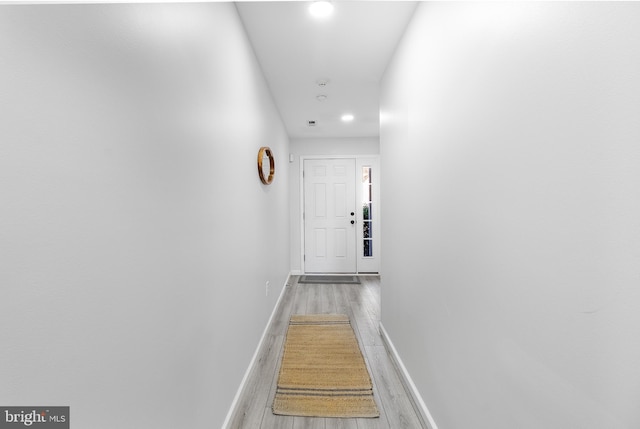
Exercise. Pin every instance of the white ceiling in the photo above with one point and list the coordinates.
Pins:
(351, 49)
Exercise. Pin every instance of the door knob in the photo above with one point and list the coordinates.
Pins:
(352, 222)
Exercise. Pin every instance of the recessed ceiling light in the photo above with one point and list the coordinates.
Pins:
(321, 8)
(347, 117)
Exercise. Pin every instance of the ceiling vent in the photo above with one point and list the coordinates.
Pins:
(312, 123)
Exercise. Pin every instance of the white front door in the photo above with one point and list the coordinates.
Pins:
(329, 216)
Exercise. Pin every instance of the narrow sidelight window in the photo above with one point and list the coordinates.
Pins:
(367, 211)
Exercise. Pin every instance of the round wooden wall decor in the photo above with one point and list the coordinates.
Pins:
(266, 176)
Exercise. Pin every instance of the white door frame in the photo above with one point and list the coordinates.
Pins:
(363, 265)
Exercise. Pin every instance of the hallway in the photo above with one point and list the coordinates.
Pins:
(143, 256)
(362, 304)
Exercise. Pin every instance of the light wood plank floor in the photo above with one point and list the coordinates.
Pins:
(362, 304)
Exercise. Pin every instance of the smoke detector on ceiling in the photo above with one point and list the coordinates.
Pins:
(322, 82)
(321, 97)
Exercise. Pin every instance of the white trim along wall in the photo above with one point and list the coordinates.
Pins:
(252, 363)
(416, 399)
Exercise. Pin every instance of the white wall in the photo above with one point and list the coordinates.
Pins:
(317, 147)
(510, 147)
(135, 235)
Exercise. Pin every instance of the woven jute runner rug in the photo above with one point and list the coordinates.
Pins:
(323, 373)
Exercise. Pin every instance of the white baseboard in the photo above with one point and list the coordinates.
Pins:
(416, 398)
(243, 383)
